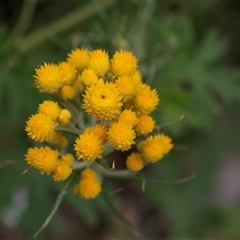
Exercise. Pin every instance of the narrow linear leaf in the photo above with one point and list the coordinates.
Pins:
(6, 163)
(56, 205)
(141, 178)
(58, 26)
(156, 181)
(132, 229)
(103, 164)
(173, 122)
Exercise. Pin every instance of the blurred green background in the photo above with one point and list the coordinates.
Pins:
(190, 52)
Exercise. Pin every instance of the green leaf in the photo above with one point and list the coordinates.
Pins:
(56, 205)
(132, 229)
(211, 49)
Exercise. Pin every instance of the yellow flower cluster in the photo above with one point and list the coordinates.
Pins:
(103, 101)
(49, 161)
(41, 126)
(89, 185)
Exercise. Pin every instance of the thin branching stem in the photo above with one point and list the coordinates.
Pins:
(24, 44)
(24, 20)
(57, 203)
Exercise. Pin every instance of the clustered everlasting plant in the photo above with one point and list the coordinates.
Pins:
(106, 105)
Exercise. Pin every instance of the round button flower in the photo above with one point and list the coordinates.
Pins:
(123, 63)
(48, 78)
(50, 109)
(89, 77)
(102, 100)
(145, 124)
(89, 173)
(88, 146)
(100, 131)
(39, 127)
(79, 57)
(68, 72)
(78, 85)
(136, 78)
(121, 136)
(128, 117)
(155, 147)
(135, 162)
(145, 99)
(67, 158)
(61, 172)
(64, 117)
(67, 92)
(88, 188)
(44, 159)
(58, 139)
(108, 103)
(99, 62)
(89, 185)
(126, 86)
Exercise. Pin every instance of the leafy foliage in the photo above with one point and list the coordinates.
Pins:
(185, 58)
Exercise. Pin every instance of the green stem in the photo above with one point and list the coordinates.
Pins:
(172, 123)
(80, 165)
(57, 203)
(69, 129)
(116, 212)
(24, 19)
(156, 181)
(6, 163)
(118, 173)
(103, 164)
(139, 177)
(144, 23)
(48, 31)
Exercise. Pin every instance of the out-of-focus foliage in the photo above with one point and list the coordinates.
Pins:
(188, 51)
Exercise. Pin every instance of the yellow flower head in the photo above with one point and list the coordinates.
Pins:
(64, 117)
(166, 143)
(39, 127)
(88, 146)
(50, 109)
(68, 72)
(79, 58)
(88, 188)
(121, 136)
(61, 172)
(89, 77)
(145, 125)
(155, 147)
(128, 117)
(102, 100)
(126, 86)
(123, 63)
(48, 78)
(78, 85)
(145, 99)
(135, 162)
(100, 131)
(113, 121)
(67, 92)
(99, 62)
(136, 78)
(89, 173)
(58, 139)
(44, 159)
(67, 158)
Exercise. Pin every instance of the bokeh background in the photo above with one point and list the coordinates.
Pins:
(190, 52)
